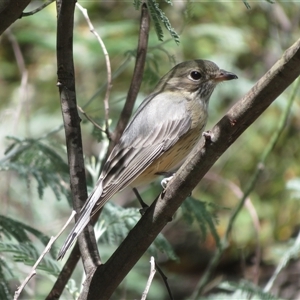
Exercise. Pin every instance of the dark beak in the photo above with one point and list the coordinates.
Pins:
(224, 75)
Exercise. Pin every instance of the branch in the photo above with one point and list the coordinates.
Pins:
(224, 133)
(108, 68)
(65, 274)
(30, 13)
(46, 250)
(150, 278)
(10, 11)
(136, 78)
(23, 94)
(66, 84)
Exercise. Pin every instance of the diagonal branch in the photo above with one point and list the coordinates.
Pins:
(223, 135)
(10, 11)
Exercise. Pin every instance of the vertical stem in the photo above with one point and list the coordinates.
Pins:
(66, 84)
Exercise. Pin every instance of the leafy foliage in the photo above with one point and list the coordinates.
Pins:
(36, 158)
(158, 17)
(244, 289)
(5, 274)
(16, 243)
(194, 210)
(210, 32)
(118, 221)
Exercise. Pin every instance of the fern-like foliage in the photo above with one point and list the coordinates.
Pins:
(28, 255)
(137, 4)
(17, 246)
(245, 290)
(158, 17)
(37, 158)
(119, 221)
(5, 275)
(198, 211)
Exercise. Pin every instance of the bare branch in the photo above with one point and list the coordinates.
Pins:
(66, 84)
(24, 76)
(10, 11)
(150, 278)
(136, 78)
(46, 250)
(109, 83)
(292, 252)
(30, 13)
(253, 213)
(90, 119)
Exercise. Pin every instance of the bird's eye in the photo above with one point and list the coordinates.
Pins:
(195, 75)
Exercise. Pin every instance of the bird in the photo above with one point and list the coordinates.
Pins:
(162, 132)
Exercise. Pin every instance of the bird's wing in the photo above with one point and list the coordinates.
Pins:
(156, 126)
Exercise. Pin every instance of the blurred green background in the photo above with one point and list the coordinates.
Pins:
(244, 41)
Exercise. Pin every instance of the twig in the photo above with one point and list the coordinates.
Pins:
(46, 250)
(67, 91)
(115, 74)
(23, 72)
(254, 216)
(151, 276)
(108, 67)
(165, 279)
(217, 256)
(90, 119)
(30, 13)
(136, 78)
(291, 253)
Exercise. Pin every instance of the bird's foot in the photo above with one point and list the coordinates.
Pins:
(164, 183)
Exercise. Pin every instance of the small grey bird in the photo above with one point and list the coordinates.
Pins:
(162, 132)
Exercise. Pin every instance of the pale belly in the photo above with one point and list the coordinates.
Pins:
(171, 160)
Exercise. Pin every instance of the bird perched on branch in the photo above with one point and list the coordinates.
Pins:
(162, 132)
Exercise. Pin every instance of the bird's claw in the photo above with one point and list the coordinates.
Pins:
(164, 183)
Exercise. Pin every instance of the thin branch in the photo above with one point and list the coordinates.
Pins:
(254, 216)
(108, 67)
(30, 13)
(46, 250)
(115, 74)
(150, 279)
(66, 84)
(226, 131)
(137, 77)
(24, 75)
(90, 119)
(292, 252)
(165, 279)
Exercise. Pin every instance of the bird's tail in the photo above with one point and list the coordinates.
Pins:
(85, 215)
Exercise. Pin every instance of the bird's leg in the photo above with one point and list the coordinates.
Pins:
(209, 136)
(165, 181)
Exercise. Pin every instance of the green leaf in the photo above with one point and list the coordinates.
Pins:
(13, 229)
(27, 254)
(119, 221)
(196, 210)
(40, 160)
(137, 4)
(158, 16)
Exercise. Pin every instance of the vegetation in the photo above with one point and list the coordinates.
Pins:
(259, 174)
